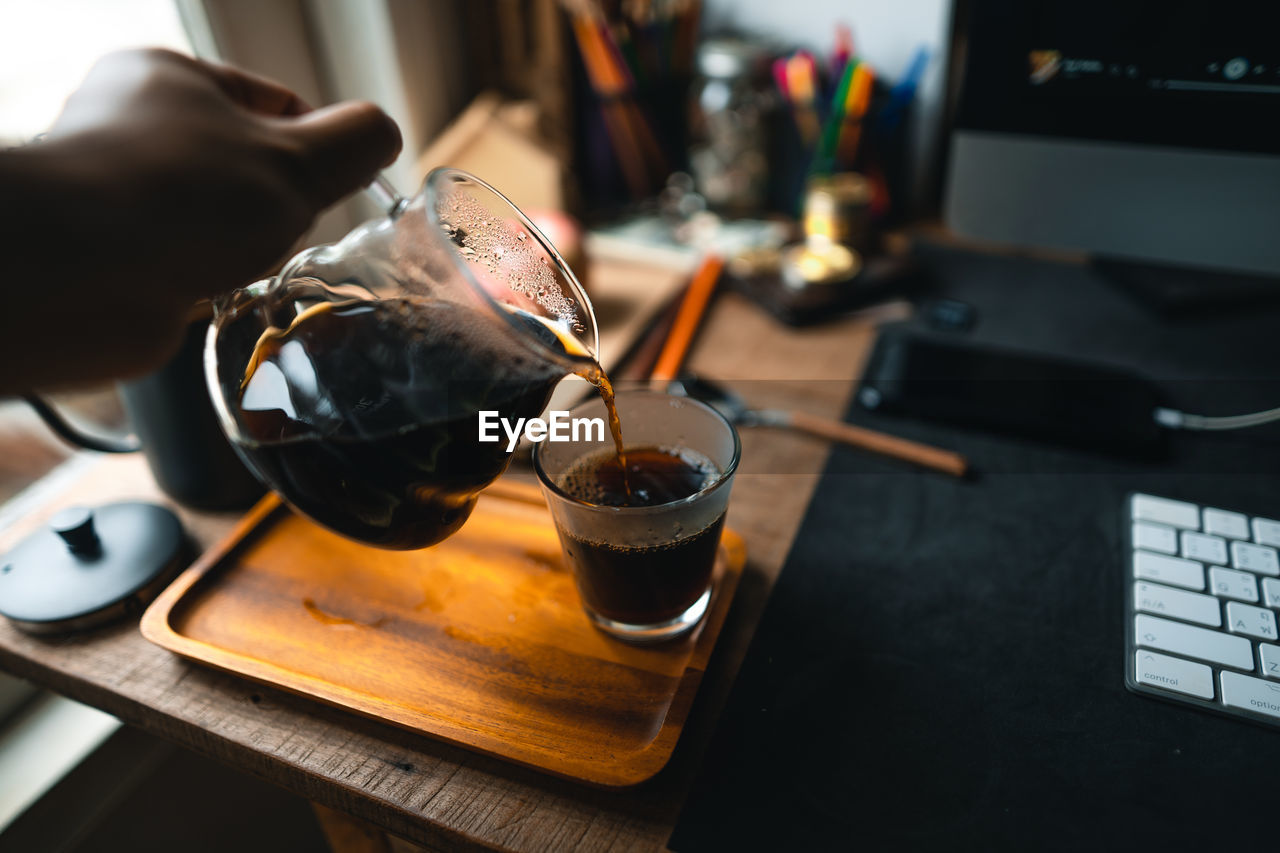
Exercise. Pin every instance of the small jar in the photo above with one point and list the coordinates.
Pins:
(730, 100)
(837, 208)
(819, 263)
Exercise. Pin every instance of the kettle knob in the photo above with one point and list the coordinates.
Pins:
(75, 526)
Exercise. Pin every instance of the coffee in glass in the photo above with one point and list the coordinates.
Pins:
(643, 550)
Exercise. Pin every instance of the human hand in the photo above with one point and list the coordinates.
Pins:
(219, 171)
(166, 179)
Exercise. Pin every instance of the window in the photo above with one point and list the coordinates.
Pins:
(47, 46)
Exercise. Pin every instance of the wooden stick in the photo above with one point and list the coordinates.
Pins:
(643, 357)
(935, 458)
(628, 154)
(608, 84)
(692, 307)
(617, 82)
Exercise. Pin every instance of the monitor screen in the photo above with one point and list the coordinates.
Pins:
(1186, 73)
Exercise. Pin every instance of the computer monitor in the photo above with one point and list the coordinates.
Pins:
(1136, 129)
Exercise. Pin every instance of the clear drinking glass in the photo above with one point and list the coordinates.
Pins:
(645, 573)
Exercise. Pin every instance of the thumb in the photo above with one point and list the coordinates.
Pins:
(343, 146)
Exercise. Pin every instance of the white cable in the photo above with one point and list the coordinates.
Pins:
(1173, 419)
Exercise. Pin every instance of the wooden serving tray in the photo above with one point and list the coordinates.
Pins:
(480, 641)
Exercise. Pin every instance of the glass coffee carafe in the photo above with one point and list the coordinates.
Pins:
(352, 382)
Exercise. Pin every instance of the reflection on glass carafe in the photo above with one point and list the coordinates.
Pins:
(351, 382)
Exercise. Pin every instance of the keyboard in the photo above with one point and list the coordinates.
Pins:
(1202, 601)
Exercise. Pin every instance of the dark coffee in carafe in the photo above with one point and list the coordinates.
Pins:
(364, 414)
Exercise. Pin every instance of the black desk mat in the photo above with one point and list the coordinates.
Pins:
(941, 663)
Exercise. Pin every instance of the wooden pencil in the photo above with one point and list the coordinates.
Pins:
(689, 317)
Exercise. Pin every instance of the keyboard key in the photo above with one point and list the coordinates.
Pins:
(1193, 642)
(1232, 525)
(1254, 621)
(1271, 591)
(1233, 584)
(1254, 558)
(1165, 511)
(1168, 673)
(1189, 623)
(1208, 549)
(1155, 537)
(1266, 531)
(1178, 603)
(1251, 694)
(1171, 570)
(1270, 660)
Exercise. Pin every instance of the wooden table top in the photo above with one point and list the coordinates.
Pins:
(411, 786)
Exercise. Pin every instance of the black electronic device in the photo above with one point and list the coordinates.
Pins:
(1049, 398)
(1124, 128)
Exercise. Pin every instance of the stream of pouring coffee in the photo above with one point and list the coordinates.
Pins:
(595, 374)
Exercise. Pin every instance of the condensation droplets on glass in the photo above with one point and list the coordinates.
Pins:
(506, 253)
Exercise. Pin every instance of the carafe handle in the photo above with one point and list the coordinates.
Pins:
(382, 192)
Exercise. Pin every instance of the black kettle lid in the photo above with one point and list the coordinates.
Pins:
(88, 566)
